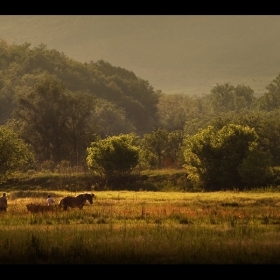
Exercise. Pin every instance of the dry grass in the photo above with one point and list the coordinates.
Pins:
(146, 228)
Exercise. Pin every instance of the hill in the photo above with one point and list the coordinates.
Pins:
(180, 53)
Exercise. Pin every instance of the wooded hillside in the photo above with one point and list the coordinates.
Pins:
(106, 118)
(131, 100)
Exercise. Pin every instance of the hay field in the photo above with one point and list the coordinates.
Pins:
(127, 227)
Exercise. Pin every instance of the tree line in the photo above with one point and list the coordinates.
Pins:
(55, 110)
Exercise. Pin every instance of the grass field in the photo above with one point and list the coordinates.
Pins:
(127, 227)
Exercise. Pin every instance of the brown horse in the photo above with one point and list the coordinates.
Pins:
(77, 201)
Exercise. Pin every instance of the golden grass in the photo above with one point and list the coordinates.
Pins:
(145, 227)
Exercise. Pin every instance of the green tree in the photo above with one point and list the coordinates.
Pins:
(199, 155)
(269, 133)
(174, 153)
(14, 154)
(56, 122)
(256, 170)
(175, 110)
(133, 96)
(42, 118)
(114, 157)
(110, 119)
(161, 149)
(153, 148)
(243, 98)
(271, 99)
(217, 158)
(266, 125)
(225, 98)
(80, 126)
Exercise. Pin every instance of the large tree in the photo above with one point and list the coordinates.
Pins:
(153, 148)
(110, 119)
(14, 154)
(114, 157)
(80, 125)
(226, 97)
(266, 125)
(54, 121)
(218, 158)
(271, 98)
(161, 149)
(174, 110)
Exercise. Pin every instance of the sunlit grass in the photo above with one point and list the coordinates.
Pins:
(144, 228)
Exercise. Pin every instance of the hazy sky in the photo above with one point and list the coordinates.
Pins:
(175, 53)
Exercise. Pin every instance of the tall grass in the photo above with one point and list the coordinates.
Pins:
(129, 227)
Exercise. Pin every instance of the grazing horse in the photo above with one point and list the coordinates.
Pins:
(77, 201)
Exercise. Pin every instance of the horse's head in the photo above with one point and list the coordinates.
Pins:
(90, 197)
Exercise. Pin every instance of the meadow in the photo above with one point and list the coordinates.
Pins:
(144, 227)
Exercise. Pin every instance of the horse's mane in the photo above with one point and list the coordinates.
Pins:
(85, 195)
(80, 195)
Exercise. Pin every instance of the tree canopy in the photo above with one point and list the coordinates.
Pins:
(56, 123)
(14, 154)
(59, 107)
(114, 157)
(220, 159)
(21, 66)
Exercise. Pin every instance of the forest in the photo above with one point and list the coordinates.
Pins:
(55, 112)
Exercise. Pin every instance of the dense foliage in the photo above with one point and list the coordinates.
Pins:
(227, 158)
(21, 67)
(14, 154)
(56, 123)
(114, 157)
(62, 109)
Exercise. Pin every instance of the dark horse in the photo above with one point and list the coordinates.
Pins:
(77, 201)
